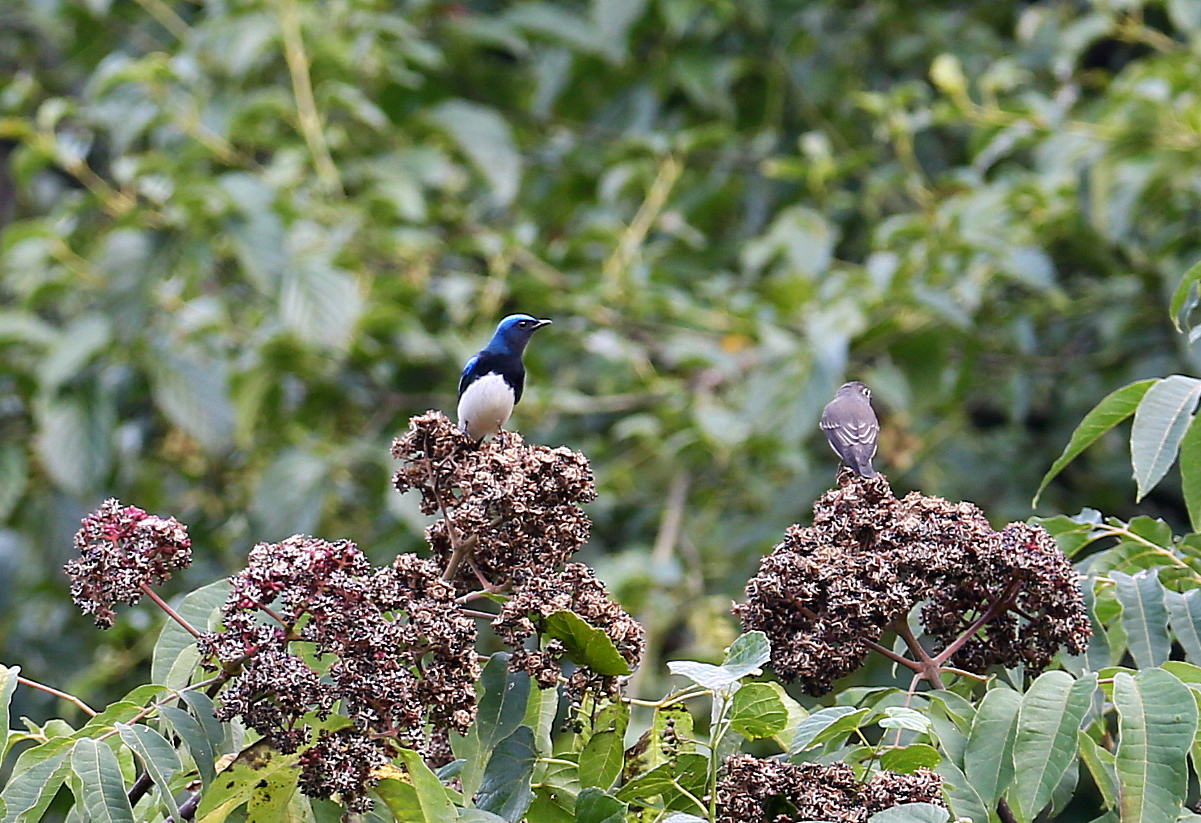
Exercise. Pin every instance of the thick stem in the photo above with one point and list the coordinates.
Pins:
(174, 615)
(893, 656)
(926, 664)
(1005, 813)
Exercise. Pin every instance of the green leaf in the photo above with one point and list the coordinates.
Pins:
(1190, 472)
(911, 813)
(318, 301)
(192, 733)
(8, 685)
(104, 797)
(746, 655)
(502, 705)
(1157, 719)
(505, 789)
(14, 477)
(1144, 616)
(594, 806)
(1045, 744)
(826, 724)
(158, 757)
(757, 711)
(484, 137)
(253, 770)
(1100, 764)
(586, 645)
(1185, 287)
(649, 785)
(175, 656)
(601, 760)
(1184, 612)
(1113, 409)
(1160, 422)
(961, 795)
(794, 711)
(910, 758)
(36, 778)
(431, 796)
(902, 717)
(988, 759)
(193, 392)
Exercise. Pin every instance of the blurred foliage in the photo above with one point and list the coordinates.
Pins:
(241, 241)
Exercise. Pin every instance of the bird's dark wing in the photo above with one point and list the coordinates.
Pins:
(471, 373)
(487, 362)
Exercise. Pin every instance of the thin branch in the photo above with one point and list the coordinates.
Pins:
(306, 105)
(174, 615)
(615, 271)
(70, 698)
(997, 607)
(893, 656)
(928, 667)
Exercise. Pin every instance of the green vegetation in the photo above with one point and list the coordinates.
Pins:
(243, 242)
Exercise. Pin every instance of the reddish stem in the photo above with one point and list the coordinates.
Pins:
(174, 615)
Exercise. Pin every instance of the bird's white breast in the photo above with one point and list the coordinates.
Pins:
(485, 406)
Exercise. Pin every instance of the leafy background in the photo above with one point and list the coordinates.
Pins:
(242, 241)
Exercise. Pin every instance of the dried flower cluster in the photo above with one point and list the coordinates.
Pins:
(518, 503)
(574, 589)
(122, 548)
(517, 507)
(773, 791)
(386, 642)
(868, 558)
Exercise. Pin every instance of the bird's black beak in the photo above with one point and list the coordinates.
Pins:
(542, 323)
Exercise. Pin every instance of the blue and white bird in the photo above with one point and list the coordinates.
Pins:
(492, 380)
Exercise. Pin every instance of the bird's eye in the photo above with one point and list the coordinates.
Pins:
(867, 393)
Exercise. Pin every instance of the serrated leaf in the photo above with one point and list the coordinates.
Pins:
(1157, 720)
(988, 759)
(594, 806)
(601, 760)
(158, 757)
(910, 758)
(104, 797)
(1113, 409)
(1144, 616)
(193, 392)
(757, 711)
(175, 656)
(505, 789)
(586, 645)
(1160, 422)
(902, 717)
(826, 724)
(1045, 744)
(747, 654)
(485, 138)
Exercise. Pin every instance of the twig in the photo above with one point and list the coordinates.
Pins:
(70, 698)
(925, 663)
(617, 265)
(893, 656)
(994, 609)
(174, 615)
(478, 615)
(306, 106)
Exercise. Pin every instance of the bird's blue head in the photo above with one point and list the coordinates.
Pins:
(514, 332)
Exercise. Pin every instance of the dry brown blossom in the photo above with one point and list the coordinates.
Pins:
(753, 790)
(518, 503)
(388, 643)
(574, 589)
(868, 558)
(121, 549)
